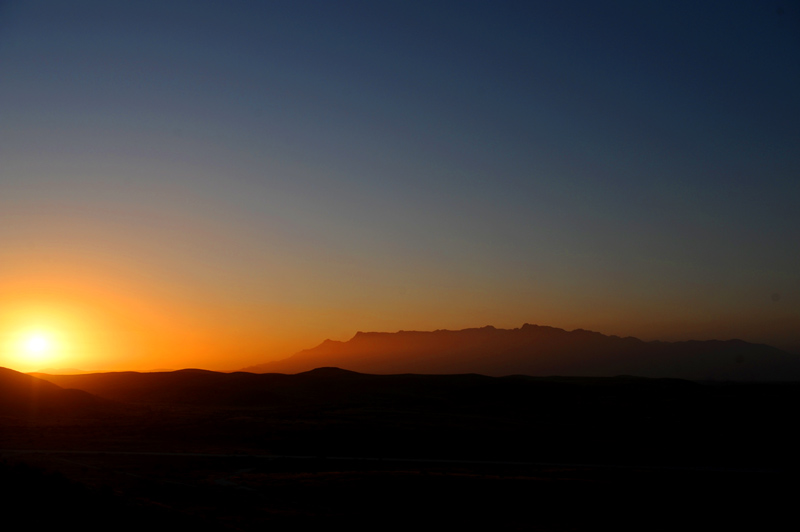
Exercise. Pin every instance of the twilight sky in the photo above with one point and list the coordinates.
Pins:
(217, 184)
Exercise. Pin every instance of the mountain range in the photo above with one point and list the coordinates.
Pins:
(542, 351)
(244, 447)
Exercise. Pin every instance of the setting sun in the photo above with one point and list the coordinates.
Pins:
(38, 345)
(36, 348)
(37, 337)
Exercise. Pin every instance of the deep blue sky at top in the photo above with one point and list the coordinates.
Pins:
(481, 162)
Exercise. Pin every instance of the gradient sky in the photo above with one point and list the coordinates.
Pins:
(218, 184)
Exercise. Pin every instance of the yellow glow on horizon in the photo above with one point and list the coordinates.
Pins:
(95, 324)
(30, 349)
(38, 345)
(39, 334)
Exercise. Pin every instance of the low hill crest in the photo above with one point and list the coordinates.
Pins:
(25, 396)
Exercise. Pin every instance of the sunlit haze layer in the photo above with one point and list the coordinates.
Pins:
(221, 184)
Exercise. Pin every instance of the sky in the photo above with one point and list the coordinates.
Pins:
(218, 184)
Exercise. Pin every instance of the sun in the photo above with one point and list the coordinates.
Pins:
(33, 348)
(34, 337)
(38, 345)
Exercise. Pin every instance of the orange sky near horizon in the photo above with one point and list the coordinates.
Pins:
(117, 298)
(100, 324)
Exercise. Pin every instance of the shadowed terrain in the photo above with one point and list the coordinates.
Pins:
(543, 351)
(25, 396)
(243, 451)
(329, 411)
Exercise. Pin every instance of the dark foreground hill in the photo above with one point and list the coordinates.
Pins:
(329, 411)
(542, 351)
(25, 396)
(248, 452)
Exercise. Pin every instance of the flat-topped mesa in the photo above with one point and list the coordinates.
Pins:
(530, 327)
(541, 350)
(361, 336)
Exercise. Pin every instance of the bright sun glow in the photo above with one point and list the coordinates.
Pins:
(36, 336)
(38, 345)
(33, 349)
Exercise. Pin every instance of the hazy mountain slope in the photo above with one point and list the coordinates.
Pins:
(539, 350)
(23, 395)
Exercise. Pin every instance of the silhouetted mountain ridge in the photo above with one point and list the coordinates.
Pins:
(332, 388)
(542, 350)
(23, 396)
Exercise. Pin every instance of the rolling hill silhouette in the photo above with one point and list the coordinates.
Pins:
(23, 396)
(335, 412)
(240, 450)
(542, 351)
(321, 386)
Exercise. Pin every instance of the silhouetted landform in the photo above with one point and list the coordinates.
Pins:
(333, 411)
(541, 351)
(23, 395)
(203, 450)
